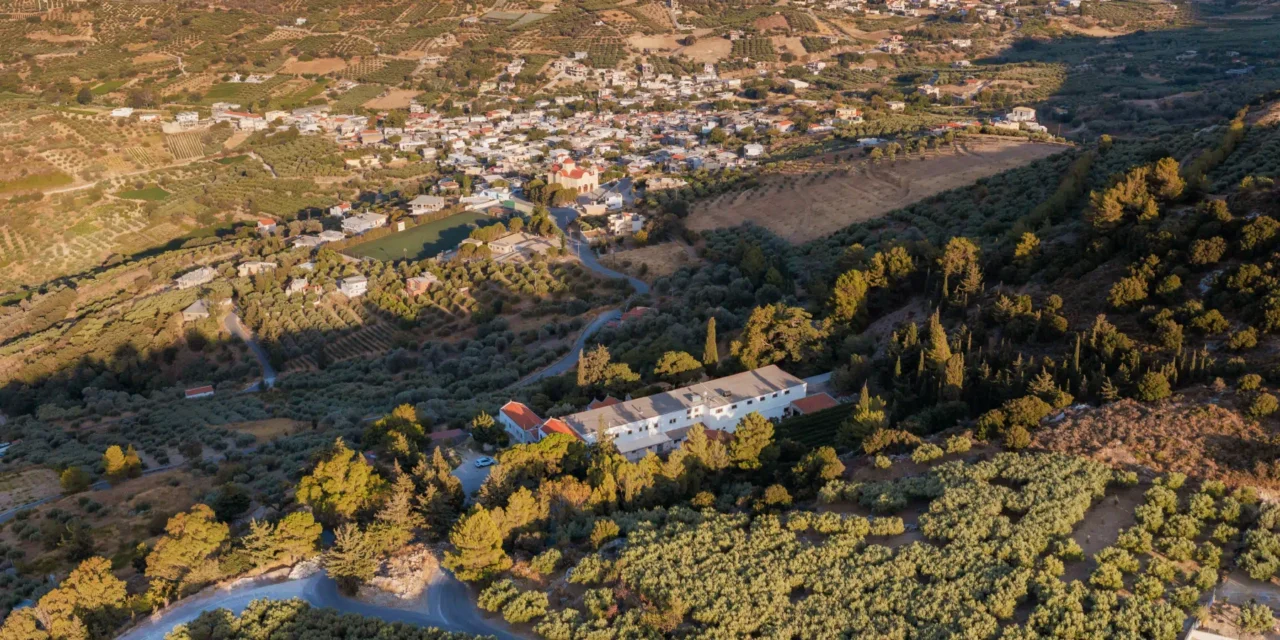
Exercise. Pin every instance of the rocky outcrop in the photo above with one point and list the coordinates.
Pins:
(403, 577)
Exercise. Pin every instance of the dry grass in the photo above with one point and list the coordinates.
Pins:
(265, 430)
(128, 512)
(812, 203)
(660, 259)
(19, 488)
(1186, 433)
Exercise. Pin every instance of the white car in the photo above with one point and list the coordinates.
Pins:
(485, 461)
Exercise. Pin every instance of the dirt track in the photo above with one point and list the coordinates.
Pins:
(815, 201)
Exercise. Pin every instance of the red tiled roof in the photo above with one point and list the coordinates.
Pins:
(553, 425)
(816, 402)
(523, 416)
(195, 391)
(608, 401)
(266, 222)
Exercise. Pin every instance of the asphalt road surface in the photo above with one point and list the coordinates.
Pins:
(238, 329)
(448, 606)
(564, 364)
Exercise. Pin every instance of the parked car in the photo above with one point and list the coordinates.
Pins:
(485, 461)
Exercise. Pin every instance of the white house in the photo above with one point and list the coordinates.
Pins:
(625, 223)
(122, 112)
(364, 222)
(1021, 114)
(353, 286)
(524, 426)
(424, 204)
(253, 268)
(661, 422)
(203, 275)
(752, 150)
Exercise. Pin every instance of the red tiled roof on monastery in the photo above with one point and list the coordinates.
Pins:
(554, 425)
(523, 416)
(814, 403)
(608, 401)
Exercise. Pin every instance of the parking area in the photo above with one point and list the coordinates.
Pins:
(470, 475)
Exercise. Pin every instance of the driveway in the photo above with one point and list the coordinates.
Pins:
(237, 329)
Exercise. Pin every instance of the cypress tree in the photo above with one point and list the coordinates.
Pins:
(710, 351)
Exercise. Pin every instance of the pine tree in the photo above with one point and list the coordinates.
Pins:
(113, 463)
(752, 436)
(710, 350)
(593, 366)
(849, 297)
(477, 543)
(341, 485)
(191, 539)
(398, 520)
(710, 454)
(1109, 391)
(354, 558)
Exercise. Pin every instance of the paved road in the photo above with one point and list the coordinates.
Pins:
(449, 606)
(570, 359)
(1239, 588)
(237, 328)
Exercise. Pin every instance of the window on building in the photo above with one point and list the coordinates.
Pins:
(775, 394)
(673, 421)
(750, 401)
(733, 406)
(787, 392)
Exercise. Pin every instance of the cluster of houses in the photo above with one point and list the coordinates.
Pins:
(660, 423)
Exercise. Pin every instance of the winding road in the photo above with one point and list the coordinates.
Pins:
(237, 328)
(449, 606)
(564, 364)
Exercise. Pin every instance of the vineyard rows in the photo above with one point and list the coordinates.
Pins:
(185, 146)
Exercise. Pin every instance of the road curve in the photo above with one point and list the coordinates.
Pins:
(449, 606)
(570, 359)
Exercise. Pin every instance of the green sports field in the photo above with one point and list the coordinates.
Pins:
(422, 241)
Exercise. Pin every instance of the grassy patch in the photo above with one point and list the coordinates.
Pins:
(36, 182)
(422, 241)
(108, 87)
(151, 194)
(82, 228)
(231, 160)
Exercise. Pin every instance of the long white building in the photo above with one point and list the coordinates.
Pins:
(661, 422)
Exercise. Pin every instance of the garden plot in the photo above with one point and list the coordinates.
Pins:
(185, 146)
(812, 203)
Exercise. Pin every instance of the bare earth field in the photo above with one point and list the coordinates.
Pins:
(394, 99)
(662, 260)
(804, 206)
(319, 65)
(706, 49)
